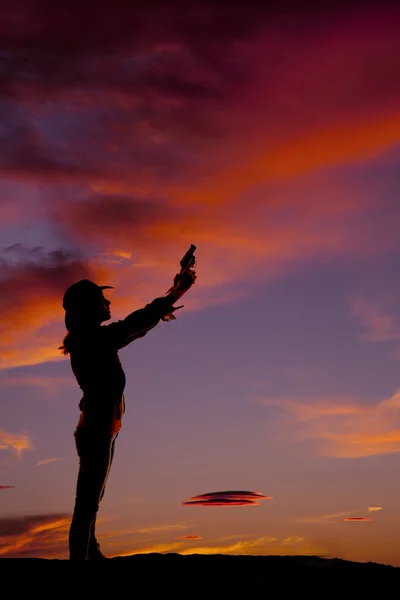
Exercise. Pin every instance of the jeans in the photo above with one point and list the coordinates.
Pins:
(95, 454)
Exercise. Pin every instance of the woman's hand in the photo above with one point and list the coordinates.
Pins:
(182, 283)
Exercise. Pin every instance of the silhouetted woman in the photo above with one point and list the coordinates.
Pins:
(93, 350)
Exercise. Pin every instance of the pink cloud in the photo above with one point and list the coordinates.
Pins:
(378, 324)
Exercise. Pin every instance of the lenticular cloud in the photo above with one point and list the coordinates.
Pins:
(229, 498)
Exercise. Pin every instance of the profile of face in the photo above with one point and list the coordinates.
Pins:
(85, 305)
(105, 311)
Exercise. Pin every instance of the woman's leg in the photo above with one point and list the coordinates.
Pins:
(94, 552)
(95, 456)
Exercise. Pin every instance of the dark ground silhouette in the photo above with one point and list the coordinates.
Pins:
(213, 577)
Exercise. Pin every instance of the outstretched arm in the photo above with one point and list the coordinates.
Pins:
(139, 322)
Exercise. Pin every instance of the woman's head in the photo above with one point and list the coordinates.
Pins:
(85, 304)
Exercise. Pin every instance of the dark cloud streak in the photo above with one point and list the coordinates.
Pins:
(43, 536)
(10, 526)
(78, 77)
(28, 275)
(228, 498)
(72, 44)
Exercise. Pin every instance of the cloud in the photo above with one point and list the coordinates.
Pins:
(49, 384)
(229, 498)
(15, 442)
(162, 528)
(264, 545)
(158, 548)
(45, 461)
(292, 540)
(193, 81)
(33, 283)
(190, 538)
(155, 233)
(259, 546)
(121, 218)
(323, 519)
(132, 147)
(29, 156)
(135, 244)
(357, 519)
(125, 28)
(6, 487)
(42, 536)
(339, 426)
(380, 326)
(240, 547)
(337, 517)
(33, 280)
(146, 85)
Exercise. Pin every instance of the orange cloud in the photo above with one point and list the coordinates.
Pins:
(138, 245)
(357, 519)
(44, 536)
(34, 283)
(157, 548)
(264, 545)
(16, 442)
(261, 546)
(45, 461)
(229, 153)
(374, 508)
(309, 152)
(249, 243)
(292, 540)
(162, 528)
(229, 498)
(342, 427)
(191, 537)
(323, 519)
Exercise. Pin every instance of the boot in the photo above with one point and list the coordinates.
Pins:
(94, 552)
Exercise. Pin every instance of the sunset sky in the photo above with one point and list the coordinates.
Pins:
(266, 418)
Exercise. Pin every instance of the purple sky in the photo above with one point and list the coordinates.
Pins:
(270, 138)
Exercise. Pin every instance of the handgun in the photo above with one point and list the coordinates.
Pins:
(189, 259)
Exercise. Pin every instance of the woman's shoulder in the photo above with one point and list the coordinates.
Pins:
(82, 338)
